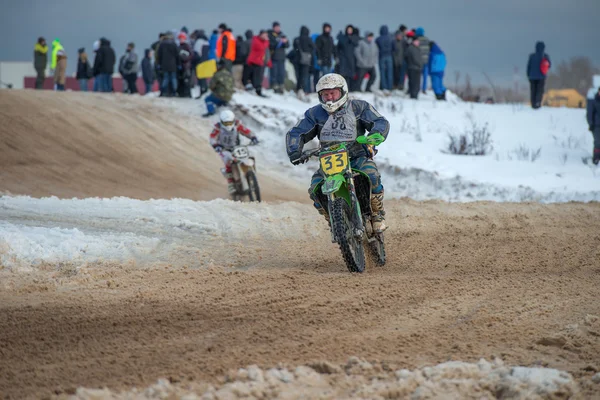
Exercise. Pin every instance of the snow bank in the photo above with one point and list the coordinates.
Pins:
(359, 379)
(79, 231)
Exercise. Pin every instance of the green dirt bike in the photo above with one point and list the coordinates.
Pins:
(346, 194)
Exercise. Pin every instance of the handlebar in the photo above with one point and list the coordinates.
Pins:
(374, 139)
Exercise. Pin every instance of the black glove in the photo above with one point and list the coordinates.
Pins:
(218, 148)
(254, 141)
(296, 158)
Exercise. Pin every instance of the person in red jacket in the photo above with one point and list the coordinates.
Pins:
(256, 59)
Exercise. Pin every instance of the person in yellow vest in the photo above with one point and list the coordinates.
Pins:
(226, 46)
(58, 65)
(40, 61)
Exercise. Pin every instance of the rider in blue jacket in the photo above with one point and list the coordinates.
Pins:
(339, 119)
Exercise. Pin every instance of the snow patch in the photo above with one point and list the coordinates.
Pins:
(414, 160)
(363, 379)
(79, 231)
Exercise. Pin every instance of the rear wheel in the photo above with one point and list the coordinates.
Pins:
(343, 230)
(253, 188)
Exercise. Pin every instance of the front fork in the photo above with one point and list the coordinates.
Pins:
(357, 222)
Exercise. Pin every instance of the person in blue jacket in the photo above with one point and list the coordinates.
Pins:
(340, 119)
(537, 67)
(437, 65)
(212, 52)
(387, 45)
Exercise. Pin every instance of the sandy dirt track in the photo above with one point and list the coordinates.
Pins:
(91, 145)
(463, 281)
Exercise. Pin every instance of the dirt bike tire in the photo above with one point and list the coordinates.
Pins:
(351, 246)
(253, 188)
(377, 249)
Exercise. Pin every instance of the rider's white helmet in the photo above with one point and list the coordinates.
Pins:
(227, 117)
(333, 81)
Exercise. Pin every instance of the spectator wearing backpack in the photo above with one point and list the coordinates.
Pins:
(537, 68)
(304, 47)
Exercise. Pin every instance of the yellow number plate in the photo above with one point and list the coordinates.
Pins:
(335, 163)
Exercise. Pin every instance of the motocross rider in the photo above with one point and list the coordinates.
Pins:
(224, 137)
(339, 119)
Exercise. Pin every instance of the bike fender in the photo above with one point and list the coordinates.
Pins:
(332, 184)
(248, 162)
(336, 186)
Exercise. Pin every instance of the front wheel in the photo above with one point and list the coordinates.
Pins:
(253, 188)
(343, 230)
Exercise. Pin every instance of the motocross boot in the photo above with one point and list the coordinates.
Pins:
(230, 183)
(378, 212)
(323, 212)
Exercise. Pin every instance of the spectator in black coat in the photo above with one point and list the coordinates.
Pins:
(593, 118)
(185, 65)
(104, 65)
(84, 70)
(399, 51)
(414, 60)
(168, 60)
(326, 50)
(347, 42)
(247, 71)
(154, 47)
(405, 43)
(147, 71)
(304, 47)
(278, 45)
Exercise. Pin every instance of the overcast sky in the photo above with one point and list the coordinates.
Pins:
(494, 36)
